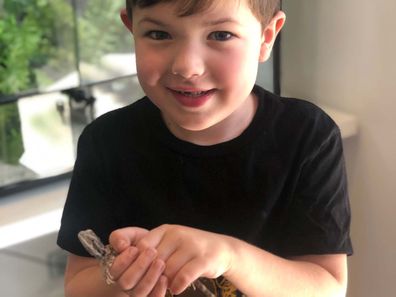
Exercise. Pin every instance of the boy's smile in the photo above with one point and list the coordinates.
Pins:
(191, 97)
(200, 69)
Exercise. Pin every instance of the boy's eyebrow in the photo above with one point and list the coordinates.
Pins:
(221, 21)
(206, 23)
(151, 20)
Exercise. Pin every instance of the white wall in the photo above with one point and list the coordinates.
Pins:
(342, 53)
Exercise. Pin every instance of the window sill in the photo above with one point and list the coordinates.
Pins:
(33, 213)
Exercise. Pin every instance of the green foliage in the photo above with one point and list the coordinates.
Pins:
(29, 36)
(18, 43)
(101, 30)
(11, 146)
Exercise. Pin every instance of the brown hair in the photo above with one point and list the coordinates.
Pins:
(263, 10)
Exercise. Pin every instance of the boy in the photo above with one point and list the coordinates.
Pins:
(209, 176)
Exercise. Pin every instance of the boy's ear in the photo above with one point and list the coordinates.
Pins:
(269, 35)
(124, 17)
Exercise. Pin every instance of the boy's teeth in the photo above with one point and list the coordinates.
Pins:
(192, 94)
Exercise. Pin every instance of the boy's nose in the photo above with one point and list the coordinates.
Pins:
(188, 62)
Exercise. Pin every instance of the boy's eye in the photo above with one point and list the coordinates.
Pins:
(221, 35)
(158, 35)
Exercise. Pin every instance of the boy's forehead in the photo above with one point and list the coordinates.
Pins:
(189, 7)
(169, 13)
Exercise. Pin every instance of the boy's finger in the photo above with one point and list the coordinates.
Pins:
(123, 261)
(135, 272)
(123, 238)
(187, 275)
(160, 288)
(150, 279)
(176, 261)
(154, 238)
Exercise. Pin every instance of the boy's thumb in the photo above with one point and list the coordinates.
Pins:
(123, 238)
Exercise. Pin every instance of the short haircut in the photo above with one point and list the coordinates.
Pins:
(263, 10)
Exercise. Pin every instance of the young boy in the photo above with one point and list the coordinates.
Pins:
(209, 176)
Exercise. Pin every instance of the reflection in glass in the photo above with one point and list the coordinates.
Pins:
(35, 139)
(38, 134)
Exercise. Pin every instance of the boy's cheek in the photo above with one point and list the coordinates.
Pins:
(236, 69)
(148, 78)
(148, 71)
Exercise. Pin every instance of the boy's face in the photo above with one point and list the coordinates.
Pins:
(200, 69)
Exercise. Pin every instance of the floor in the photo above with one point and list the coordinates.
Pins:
(32, 269)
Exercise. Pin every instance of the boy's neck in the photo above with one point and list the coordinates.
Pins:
(226, 130)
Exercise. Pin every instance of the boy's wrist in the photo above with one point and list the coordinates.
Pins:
(233, 247)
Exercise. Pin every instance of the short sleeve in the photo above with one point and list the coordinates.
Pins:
(318, 219)
(88, 204)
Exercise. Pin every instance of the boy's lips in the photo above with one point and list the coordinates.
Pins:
(191, 97)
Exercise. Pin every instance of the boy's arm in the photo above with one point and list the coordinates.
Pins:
(259, 273)
(83, 277)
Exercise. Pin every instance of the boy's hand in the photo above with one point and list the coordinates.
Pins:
(137, 272)
(188, 253)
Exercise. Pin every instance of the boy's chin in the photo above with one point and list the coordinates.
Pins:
(195, 127)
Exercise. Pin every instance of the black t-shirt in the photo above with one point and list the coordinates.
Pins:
(280, 185)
